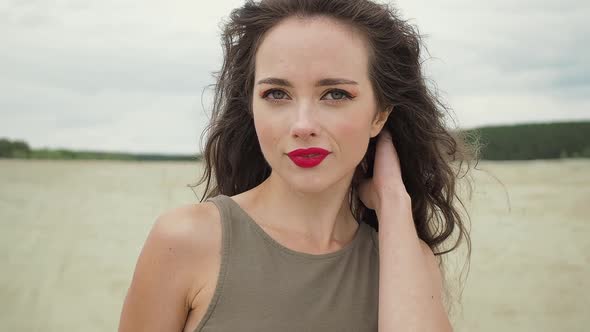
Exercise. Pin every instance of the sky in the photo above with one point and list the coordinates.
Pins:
(132, 75)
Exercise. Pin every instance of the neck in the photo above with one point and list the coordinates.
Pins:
(323, 217)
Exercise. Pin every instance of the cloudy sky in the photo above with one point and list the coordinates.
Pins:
(129, 75)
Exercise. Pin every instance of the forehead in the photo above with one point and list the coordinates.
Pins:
(312, 48)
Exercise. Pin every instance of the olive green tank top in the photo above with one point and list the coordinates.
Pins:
(264, 286)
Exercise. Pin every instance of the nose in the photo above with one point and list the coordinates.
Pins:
(305, 124)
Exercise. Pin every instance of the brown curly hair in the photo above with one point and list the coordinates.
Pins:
(428, 151)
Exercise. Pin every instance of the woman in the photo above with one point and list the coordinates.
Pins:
(314, 219)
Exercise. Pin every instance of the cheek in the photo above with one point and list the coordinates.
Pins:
(267, 133)
(354, 139)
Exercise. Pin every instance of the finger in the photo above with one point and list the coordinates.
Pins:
(385, 133)
(388, 160)
(365, 191)
(385, 143)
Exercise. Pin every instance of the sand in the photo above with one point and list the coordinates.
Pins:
(71, 231)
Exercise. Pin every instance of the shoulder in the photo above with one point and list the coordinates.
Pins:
(187, 240)
(177, 260)
(186, 226)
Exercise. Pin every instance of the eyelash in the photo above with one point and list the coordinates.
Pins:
(347, 96)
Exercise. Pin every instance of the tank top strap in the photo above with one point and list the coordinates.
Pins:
(226, 233)
(232, 221)
(225, 212)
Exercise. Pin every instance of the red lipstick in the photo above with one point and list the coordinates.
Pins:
(307, 158)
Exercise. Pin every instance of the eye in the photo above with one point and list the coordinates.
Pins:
(275, 93)
(339, 95)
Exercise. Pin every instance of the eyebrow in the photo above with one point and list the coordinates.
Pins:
(322, 82)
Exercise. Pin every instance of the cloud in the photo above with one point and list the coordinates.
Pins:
(106, 75)
(507, 61)
(128, 74)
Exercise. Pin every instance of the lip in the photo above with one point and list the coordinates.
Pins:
(302, 158)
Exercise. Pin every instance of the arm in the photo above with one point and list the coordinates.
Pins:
(410, 283)
(160, 295)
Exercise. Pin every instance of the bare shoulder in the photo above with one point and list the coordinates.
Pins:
(190, 226)
(192, 233)
(177, 261)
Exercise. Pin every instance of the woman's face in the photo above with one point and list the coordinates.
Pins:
(312, 89)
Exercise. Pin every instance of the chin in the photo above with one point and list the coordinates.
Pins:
(310, 183)
(305, 188)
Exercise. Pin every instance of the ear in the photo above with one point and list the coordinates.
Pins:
(379, 121)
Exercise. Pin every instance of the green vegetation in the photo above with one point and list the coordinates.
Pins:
(20, 149)
(515, 142)
(534, 141)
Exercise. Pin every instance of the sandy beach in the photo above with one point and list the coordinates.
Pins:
(71, 231)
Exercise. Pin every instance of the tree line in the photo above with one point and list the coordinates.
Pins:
(21, 150)
(511, 142)
(534, 141)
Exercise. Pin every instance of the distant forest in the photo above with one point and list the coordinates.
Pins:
(534, 141)
(21, 150)
(514, 142)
